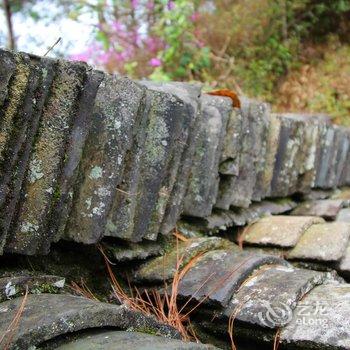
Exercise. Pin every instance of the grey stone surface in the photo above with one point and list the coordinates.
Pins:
(344, 263)
(287, 158)
(133, 251)
(204, 177)
(147, 176)
(46, 316)
(230, 156)
(343, 215)
(190, 94)
(14, 286)
(163, 268)
(342, 153)
(325, 242)
(75, 144)
(18, 149)
(327, 151)
(7, 69)
(311, 138)
(238, 190)
(321, 320)
(223, 219)
(262, 112)
(116, 117)
(218, 274)
(326, 208)
(121, 340)
(281, 230)
(46, 158)
(272, 288)
(272, 142)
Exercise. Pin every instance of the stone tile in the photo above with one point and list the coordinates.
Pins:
(238, 190)
(343, 215)
(321, 319)
(204, 178)
(327, 151)
(263, 159)
(16, 94)
(133, 251)
(344, 263)
(76, 141)
(162, 268)
(139, 205)
(189, 94)
(282, 231)
(326, 208)
(184, 137)
(341, 193)
(222, 219)
(342, 152)
(325, 242)
(285, 169)
(116, 117)
(7, 69)
(46, 159)
(121, 340)
(14, 286)
(273, 135)
(20, 143)
(345, 173)
(230, 157)
(47, 316)
(272, 288)
(218, 274)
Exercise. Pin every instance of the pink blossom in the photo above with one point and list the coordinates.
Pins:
(117, 26)
(134, 3)
(195, 16)
(155, 62)
(80, 57)
(171, 5)
(153, 44)
(150, 5)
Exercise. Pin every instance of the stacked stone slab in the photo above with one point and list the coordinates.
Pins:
(86, 155)
(261, 293)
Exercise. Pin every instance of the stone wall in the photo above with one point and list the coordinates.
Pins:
(85, 155)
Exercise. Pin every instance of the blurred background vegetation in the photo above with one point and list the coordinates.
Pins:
(292, 53)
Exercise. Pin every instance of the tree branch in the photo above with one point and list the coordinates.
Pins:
(11, 36)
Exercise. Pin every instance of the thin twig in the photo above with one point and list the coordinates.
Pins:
(52, 46)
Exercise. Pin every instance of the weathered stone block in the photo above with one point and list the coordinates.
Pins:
(7, 69)
(327, 150)
(116, 117)
(326, 208)
(238, 190)
(19, 139)
(163, 268)
(287, 158)
(30, 231)
(325, 242)
(218, 274)
(282, 231)
(272, 288)
(121, 340)
(47, 316)
(321, 319)
(230, 157)
(204, 178)
(147, 179)
(75, 144)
